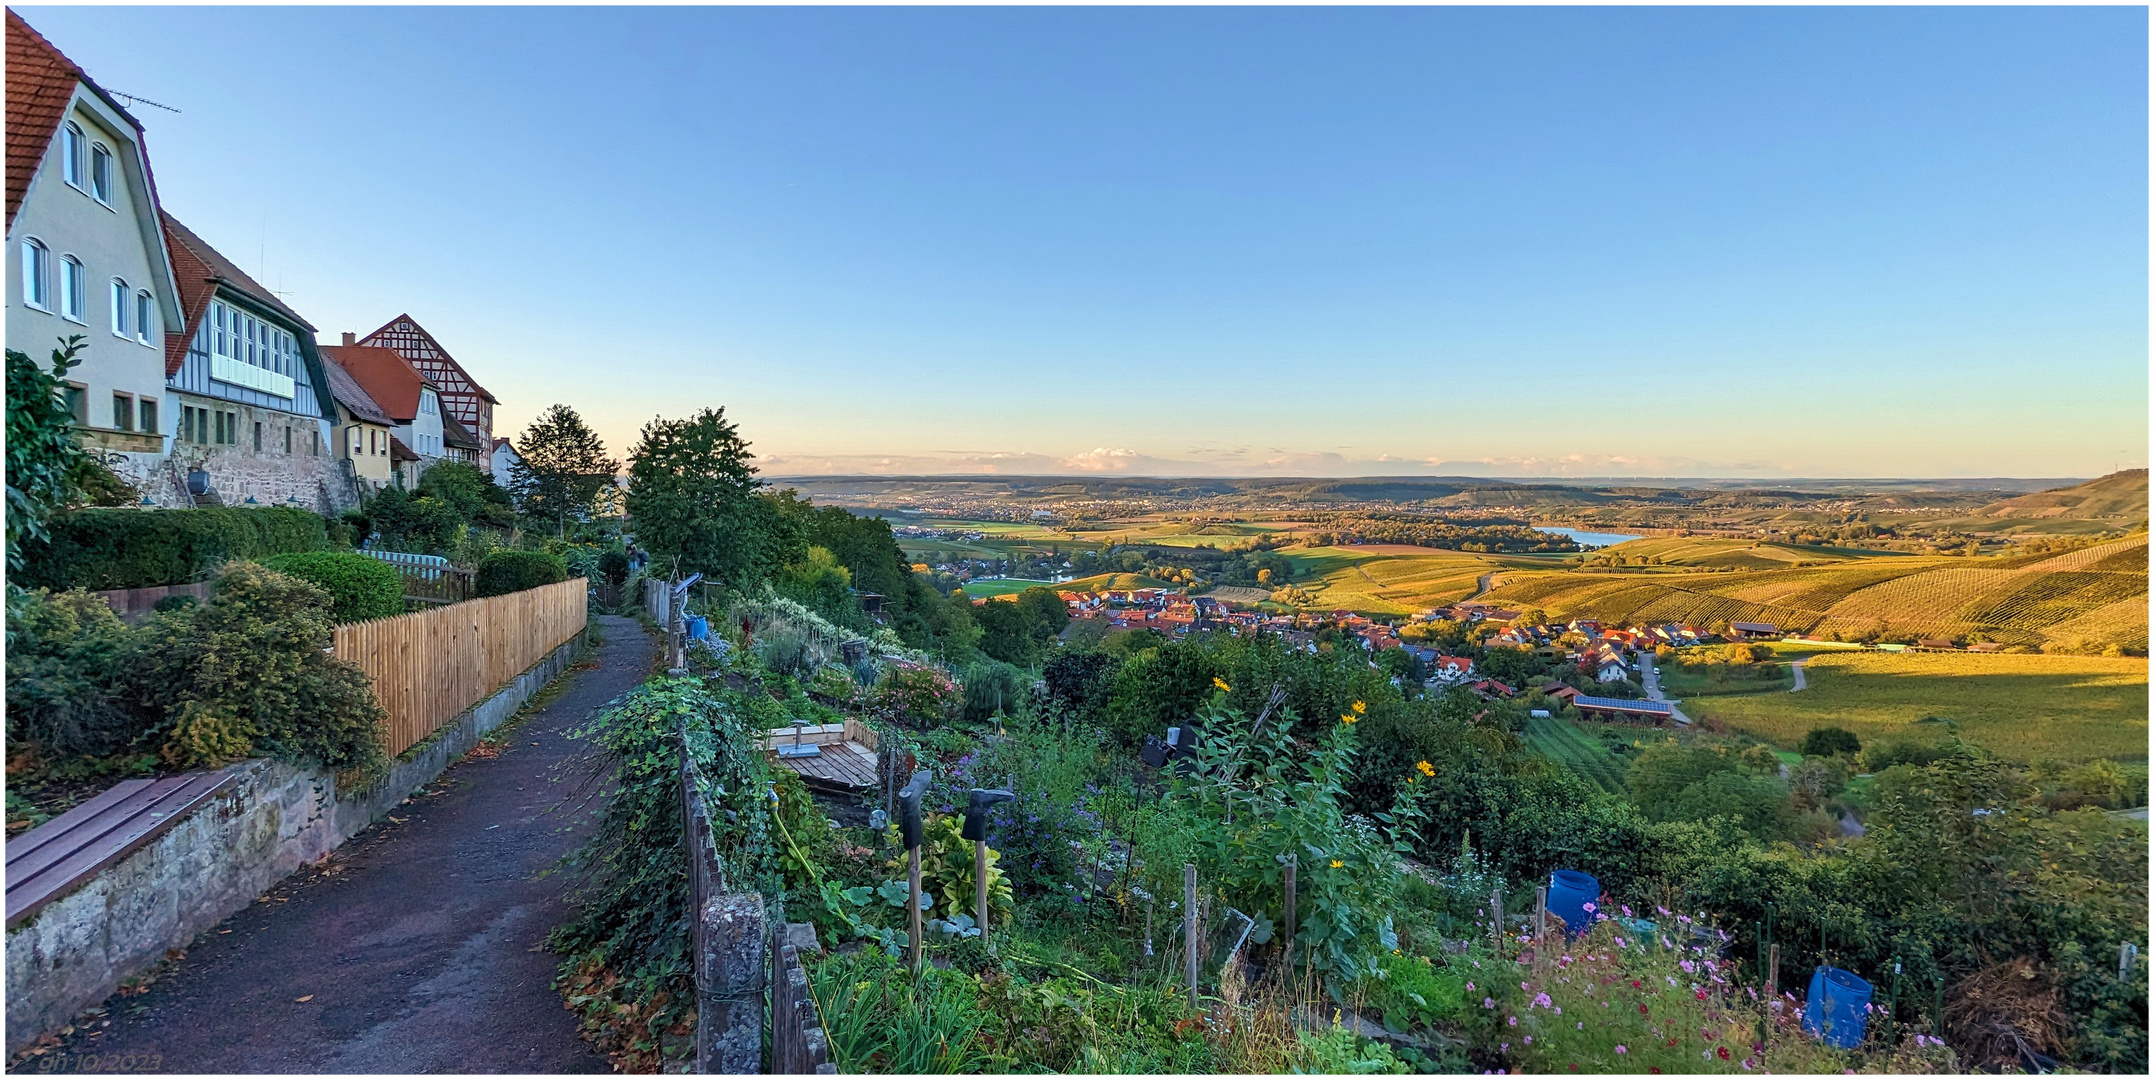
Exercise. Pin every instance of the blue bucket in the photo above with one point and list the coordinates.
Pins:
(1646, 931)
(1838, 1009)
(1569, 891)
(698, 628)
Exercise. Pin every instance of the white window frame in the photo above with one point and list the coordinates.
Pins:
(101, 160)
(72, 167)
(36, 274)
(145, 311)
(74, 293)
(123, 298)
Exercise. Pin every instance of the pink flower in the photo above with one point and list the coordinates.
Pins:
(1619, 941)
(1559, 1010)
(1746, 1063)
(1514, 1021)
(1542, 1001)
(1688, 967)
(1682, 919)
(1521, 986)
(1488, 1003)
(1622, 1049)
(1588, 906)
(1469, 982)
(1581, 1025)
(1506, 1048)
(1626, 911)
(1529, 1040)
(1660, 909)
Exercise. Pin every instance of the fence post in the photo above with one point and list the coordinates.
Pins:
(729, 939)
(1189, 928)
(1495, 901)
(1772, 974)
(1293, 865)
(1540, 923)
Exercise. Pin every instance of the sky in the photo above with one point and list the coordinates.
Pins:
(1207, 241)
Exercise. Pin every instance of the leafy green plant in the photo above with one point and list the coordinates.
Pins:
(43, 457)
(946, 869)
(1337, 1051)
(103, 548)
(882, 1018)
(508, 570)
(359, 587)
(1414, 991)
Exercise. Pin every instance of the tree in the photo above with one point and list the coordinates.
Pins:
(468, 491)
(562, 468)
(44, 461)
(1830, 741)
(698, 507)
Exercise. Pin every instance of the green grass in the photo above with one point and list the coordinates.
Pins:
(1104, 582)
(1687, 680)
(2072, 708)
(1005, 586)
(1576, 749)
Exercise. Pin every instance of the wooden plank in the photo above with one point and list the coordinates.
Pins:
(58, 827)
(147, 820)
(89, 831)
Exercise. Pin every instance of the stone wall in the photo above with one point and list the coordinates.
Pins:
(310, 473)
(75, 951)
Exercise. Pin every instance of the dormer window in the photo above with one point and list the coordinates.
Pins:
(101, 173)
(71, 156)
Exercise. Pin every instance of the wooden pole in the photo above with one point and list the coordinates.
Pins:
(1496, 902)
(979, 877)
(1540, 923)
(917, 931)
(1293, 864)
(1772, 975)
(1189, 928)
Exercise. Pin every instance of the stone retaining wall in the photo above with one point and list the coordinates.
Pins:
(278, 817)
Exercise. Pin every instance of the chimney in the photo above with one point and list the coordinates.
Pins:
(350, 338)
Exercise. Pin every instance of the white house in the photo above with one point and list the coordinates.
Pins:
(86, 256)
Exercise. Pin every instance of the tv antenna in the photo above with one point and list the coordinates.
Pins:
(133, 100)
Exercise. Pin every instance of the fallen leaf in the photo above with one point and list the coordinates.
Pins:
(309, 997)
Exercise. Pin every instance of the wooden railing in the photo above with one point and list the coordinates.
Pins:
(429, 666)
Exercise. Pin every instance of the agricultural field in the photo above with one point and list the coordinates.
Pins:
(1741, 554)
(2084, 600)
(1396, 579)
(1104, 582)
(993, 587)
(1576, 747)
(2071, 708)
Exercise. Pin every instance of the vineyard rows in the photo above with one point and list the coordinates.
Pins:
(1573, 748)
(2057, 596)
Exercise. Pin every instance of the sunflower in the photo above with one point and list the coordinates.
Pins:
(1221, 683)
(1360, 707)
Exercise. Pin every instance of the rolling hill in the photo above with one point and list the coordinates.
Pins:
(2085, 599)
(2119, 499)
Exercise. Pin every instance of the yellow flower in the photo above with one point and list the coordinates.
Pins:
(1220, 683)
(1426, 768)
(1361, 707)
(1346, 718)
(1335, 864)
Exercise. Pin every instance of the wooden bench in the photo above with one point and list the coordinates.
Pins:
(49, 861)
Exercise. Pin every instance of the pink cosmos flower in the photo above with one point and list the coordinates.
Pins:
(1622, 1049)
(1469, 982)
(1588, 906)
(1688, 967)
(1514, 1021)
(1542, 1001)
(1619, 943)
(1626, 911)
(1488, 1003)
(1529, 1040)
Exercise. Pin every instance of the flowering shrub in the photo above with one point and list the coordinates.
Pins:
(914, 696)
(1608, 1002)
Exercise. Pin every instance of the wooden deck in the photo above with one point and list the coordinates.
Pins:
(49, 861)
(847, 761)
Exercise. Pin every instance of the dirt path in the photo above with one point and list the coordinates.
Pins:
(419, 946)
(1801, 683)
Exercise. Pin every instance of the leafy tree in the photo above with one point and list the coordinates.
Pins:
(1830, 741)
(824, 586)
(44, 462)
(698, 507)
(469, 491)
(1017, 632)
(562, 468)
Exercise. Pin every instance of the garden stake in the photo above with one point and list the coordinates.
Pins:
(917, 931)
(978, 802)
(1772, 975)
(1189, 928)
(1892, 1008)
(909, 828)
(1496, 902)
(1540, 922)
(1293, 863)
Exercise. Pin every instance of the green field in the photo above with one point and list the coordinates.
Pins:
(2023, 707)
(1398, 579)
(1577, 749)
(2083, 600)
(1104, 582)
(1005, 587)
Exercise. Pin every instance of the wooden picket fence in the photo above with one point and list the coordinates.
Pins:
(429, 666)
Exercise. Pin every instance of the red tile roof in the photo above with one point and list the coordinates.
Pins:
(39, 83)
(384, 374)
(350, 394)
(198, 269)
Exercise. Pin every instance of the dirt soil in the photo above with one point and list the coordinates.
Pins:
(418, 946)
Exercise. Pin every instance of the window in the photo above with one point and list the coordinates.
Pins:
(71, 154)
(287, 438)
(73, 293)
(36, 274)
(123, 412)
(123, 299)
(145, 311)
(78, 404)
(257, 436)
(101, 173)
(149, 417)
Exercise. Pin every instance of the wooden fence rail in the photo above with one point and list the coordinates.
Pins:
(429, 666)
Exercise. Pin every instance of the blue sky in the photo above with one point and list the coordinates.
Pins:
(1566, 241)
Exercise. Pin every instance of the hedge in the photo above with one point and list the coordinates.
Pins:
(507, 571)
(359, 587)
(126, 548)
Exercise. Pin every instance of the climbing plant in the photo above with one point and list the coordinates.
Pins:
(627, 967)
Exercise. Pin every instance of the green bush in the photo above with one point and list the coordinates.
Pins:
(104, 548)
(508, 571)
(359, 587)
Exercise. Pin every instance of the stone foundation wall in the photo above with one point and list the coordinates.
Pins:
(73, 953)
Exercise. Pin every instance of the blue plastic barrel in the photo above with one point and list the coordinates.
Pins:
(1569, 891)
(698, 628)
(1645, 931)
(1838, 1009)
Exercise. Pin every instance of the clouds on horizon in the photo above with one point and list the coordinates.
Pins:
(1244, 462)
